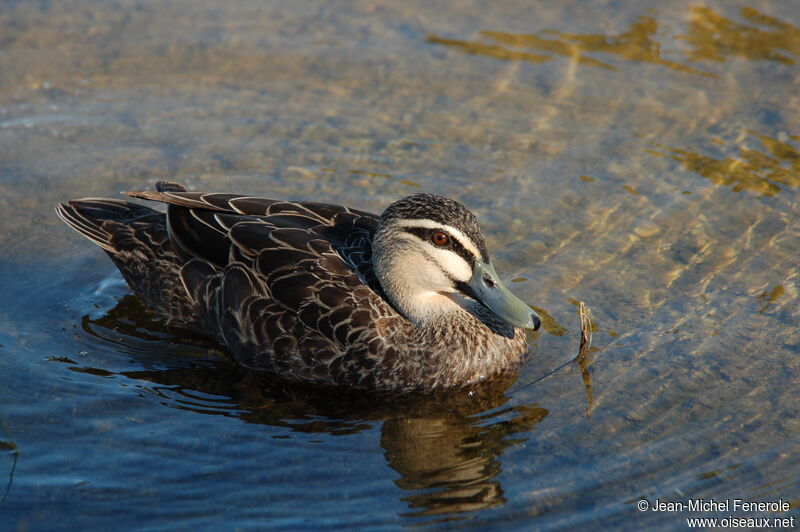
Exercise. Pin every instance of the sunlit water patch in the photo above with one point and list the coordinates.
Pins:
(640, 158)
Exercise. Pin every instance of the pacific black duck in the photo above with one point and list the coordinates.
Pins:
(318, 292)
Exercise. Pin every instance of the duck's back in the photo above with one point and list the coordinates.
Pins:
(288, 287)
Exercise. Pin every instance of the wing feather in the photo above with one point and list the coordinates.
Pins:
(288, 286)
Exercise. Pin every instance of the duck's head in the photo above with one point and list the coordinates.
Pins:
(429, 254)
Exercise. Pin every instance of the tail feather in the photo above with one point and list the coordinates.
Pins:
(91, 216)
(135, 236)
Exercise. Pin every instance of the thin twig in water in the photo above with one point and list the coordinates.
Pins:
(584, 354)
(586, 328)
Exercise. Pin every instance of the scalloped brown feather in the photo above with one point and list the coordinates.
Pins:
(288, 287)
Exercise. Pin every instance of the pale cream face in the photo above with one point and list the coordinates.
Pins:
(418, 276)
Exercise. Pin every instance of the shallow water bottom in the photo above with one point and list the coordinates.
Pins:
(641, 158)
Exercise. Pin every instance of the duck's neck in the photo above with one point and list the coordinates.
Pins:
(463, 347)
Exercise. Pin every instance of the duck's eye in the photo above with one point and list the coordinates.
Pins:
(440, 239)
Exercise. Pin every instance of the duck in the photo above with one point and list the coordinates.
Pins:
(407, 301)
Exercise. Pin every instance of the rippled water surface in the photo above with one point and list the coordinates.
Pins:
(643, 159)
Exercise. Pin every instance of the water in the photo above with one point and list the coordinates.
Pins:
(643, 159)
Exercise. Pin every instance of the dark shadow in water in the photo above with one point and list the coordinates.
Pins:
(763, 172)
(709, 36)
(445, 446)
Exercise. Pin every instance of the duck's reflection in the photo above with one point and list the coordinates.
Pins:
(446, 447)
(450, 462)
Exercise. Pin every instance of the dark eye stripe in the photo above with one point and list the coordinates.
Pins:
(454, 245)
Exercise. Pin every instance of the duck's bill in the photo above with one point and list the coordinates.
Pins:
(486, 287)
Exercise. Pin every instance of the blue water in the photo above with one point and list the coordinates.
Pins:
(641, 158)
